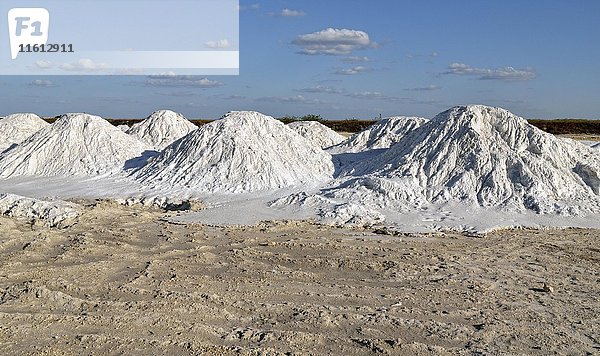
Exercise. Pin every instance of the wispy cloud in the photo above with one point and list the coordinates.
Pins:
(220, 44)
(229, 97)
(299, 99)
(502, 73)
(84, 65)
(248, 7)
(427, 88)
(351, 71)
(118, 99)
(171, 80)
(371, 95)
(375, 95)
(42, 83)
(322, 90)
(356, 59)
(333, 42)
(42, 64)
(178, 94)
(421, 55)
(164, 75)
(194, 104)
(368, 95)
(288, 13)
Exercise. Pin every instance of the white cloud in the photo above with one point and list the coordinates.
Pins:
(368, 95)
(292, 13)
(178, 94)
(355, 59)
(42, 83)
(128, 71)
(207, 83)
(322, 90)
(231, 97)
(351, 71)
(503, 73)
(84, 65)
(220, 44)
(299, 99)
(42, 64)
(421, 55)
(249, 7)
(163, 75)
(333, 42)
(427, 88)
(375, 95)
(171, 80)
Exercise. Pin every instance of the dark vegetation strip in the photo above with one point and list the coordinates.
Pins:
(571, 127)
(557, 127)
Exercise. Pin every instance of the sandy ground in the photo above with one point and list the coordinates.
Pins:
(346, 134)
(125, 281)
(579, 137)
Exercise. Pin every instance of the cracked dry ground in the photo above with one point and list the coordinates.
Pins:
(125, 281)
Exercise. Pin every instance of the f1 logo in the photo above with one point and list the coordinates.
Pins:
(27, 26)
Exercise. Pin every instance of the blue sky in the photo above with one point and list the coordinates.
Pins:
(535, 58)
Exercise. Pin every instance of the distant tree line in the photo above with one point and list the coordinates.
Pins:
(572, 127)
(557, 127)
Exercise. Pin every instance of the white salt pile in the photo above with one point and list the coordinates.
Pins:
(123, 128)
(16, 128)
(319, 134)
(483, 156)
(162, 202)
(596, 146)
(382, 134)
(329, 212)
(52, 213)
(76, 144)
(162, 128)
(243, 152)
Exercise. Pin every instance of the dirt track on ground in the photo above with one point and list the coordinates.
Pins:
(125, 281)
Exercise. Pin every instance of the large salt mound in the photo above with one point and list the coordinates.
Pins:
(489, 157)
(162, 128)
(16, 128)
(244, 152)
(76, 144)
(382, 134)
(319, 134)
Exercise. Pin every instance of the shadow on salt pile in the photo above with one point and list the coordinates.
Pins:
(139, 162)
(345, 162)
(9, 148)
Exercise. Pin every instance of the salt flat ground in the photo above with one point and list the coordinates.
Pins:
(124, 280)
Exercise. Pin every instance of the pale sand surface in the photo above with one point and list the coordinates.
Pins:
(580, 137)
(125, 281)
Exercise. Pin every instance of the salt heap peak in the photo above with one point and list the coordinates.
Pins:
(16, 128)
(162, 128)
(319, 134)
(491, 157)
(382, 134)
(76, 144)
(243, 152)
